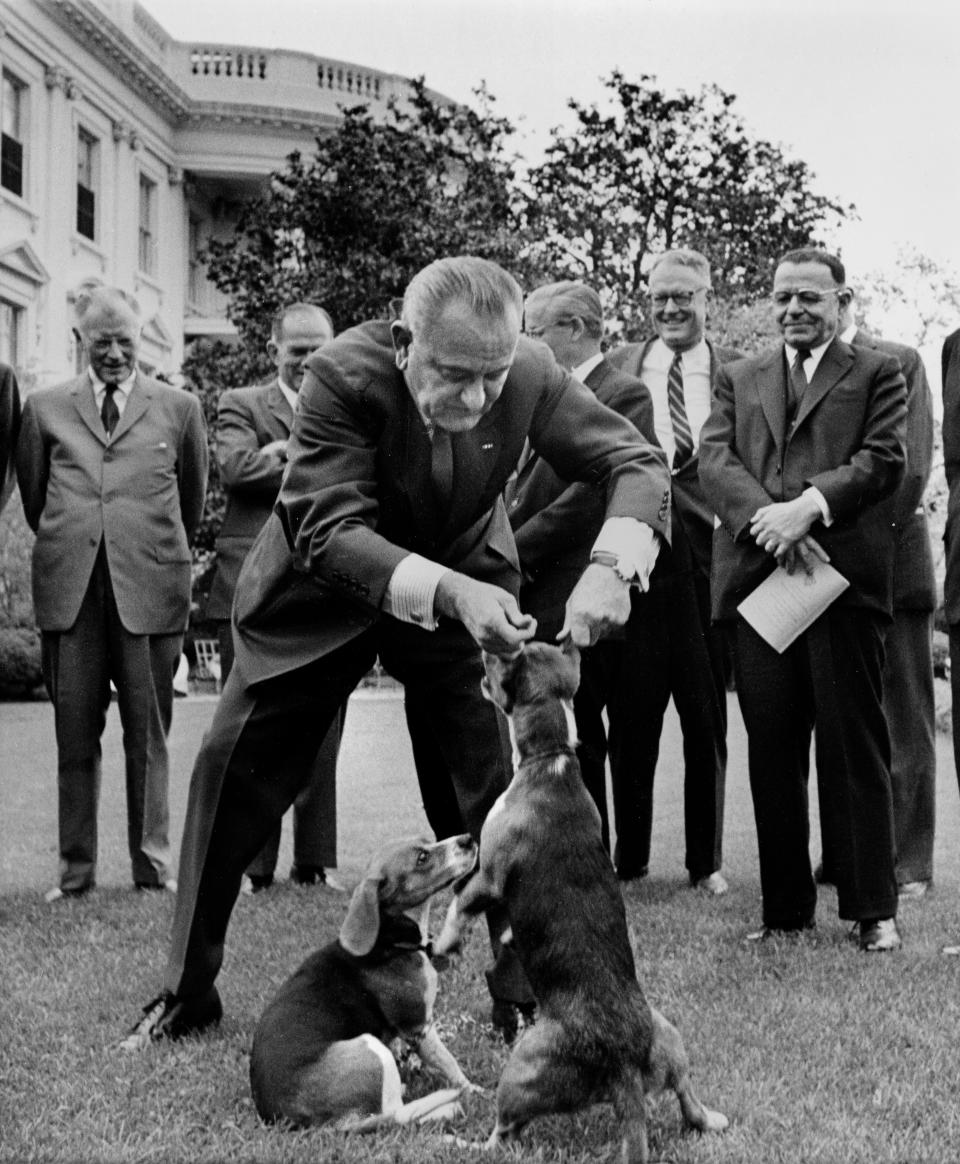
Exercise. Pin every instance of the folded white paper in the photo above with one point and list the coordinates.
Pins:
(784, 605)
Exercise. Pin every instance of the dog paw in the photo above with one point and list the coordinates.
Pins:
(468, 1088)
(716, 1121)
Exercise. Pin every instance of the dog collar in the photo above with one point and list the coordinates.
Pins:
(553, 754)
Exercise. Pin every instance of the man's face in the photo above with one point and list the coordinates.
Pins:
(678, 301)
(456, 366)
(546, 321)
(111, 337)
(302, 334)
(806, 303)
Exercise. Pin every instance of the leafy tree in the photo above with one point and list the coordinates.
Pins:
(349, 226)
(657, 171)
(916, 301)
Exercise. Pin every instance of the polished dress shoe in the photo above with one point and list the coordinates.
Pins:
(169, 1017)
(631, 873)
(58, 894)
(911, 890)
(714, 883)
(255, 883)
(168, 886)
(878, 935)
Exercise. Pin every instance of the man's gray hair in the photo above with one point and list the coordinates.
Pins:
(479, 283)
(99, 297)
(685, 257)
(570, 299)
(279, 321)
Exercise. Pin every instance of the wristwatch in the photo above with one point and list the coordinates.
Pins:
(606, 558)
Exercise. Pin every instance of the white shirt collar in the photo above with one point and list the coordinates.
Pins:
(124, 387)
(694, 359)
(288, 392)
(582, 371)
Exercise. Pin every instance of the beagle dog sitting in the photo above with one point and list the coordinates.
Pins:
(595, 1037)
(319, 1051)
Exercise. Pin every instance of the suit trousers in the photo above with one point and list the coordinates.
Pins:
(315, 808)
(671, 651)
(242, 783)
(78, 666)
(827, 681)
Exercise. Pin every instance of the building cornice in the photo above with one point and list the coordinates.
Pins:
(85, 22)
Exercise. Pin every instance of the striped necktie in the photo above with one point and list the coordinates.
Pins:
(682, 435)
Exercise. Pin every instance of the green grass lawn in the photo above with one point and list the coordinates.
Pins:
(815, 1051)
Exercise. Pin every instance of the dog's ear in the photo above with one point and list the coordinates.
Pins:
(571, 652)
(358, 934)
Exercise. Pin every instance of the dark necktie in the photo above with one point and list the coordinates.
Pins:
(441, 466)
(798, 380)
(109, 412)
(682, 435)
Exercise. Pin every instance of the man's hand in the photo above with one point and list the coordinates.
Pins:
(276, 449)
(777, 528)
(600, 602)
(490, 614)
(804, 553)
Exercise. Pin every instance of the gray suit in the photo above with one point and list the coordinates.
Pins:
(111, 587)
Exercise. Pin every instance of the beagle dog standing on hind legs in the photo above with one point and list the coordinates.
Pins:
(595, 1037)
(319, 1051)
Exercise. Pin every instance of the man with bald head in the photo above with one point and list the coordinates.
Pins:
(556, 522)
(252, 437)
(390, 538)
(112, 469)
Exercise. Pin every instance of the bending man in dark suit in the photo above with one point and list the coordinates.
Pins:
(800, 456)
(112, 469)
(678, 653)
(253, 431)
(555, 524)
(908, 693)
(9, 430)
(390, 537)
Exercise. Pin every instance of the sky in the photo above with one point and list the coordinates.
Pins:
(866, 92)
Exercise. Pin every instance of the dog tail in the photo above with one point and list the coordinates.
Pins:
(438, 1105)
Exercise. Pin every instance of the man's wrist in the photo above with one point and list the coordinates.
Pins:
(606, 558)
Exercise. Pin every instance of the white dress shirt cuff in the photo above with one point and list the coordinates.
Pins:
(818, 498)
(410, 592)
(633, 543)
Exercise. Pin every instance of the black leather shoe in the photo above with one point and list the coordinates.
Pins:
(169, 1017)
(314, 875)
(631, 873)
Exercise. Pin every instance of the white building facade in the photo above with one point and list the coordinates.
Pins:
(124, 151)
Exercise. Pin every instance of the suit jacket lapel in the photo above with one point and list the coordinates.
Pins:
(82, 393)
(771, 381)
(833, 365)
(137, 403)
(279, 406)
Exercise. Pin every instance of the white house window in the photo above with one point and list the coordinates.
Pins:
(148, 226)
(13, 118)
(11, 326)
(87, 183)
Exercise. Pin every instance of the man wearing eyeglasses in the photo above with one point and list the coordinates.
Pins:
(800, 456)
(677, 652)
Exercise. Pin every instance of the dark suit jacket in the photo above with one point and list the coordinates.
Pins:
(9, 429)
(914, 579)
(848, 440)
(247, 420)
(951, 463)
(692, 512)
(141, 494)
(555, 523)
(357, 498)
